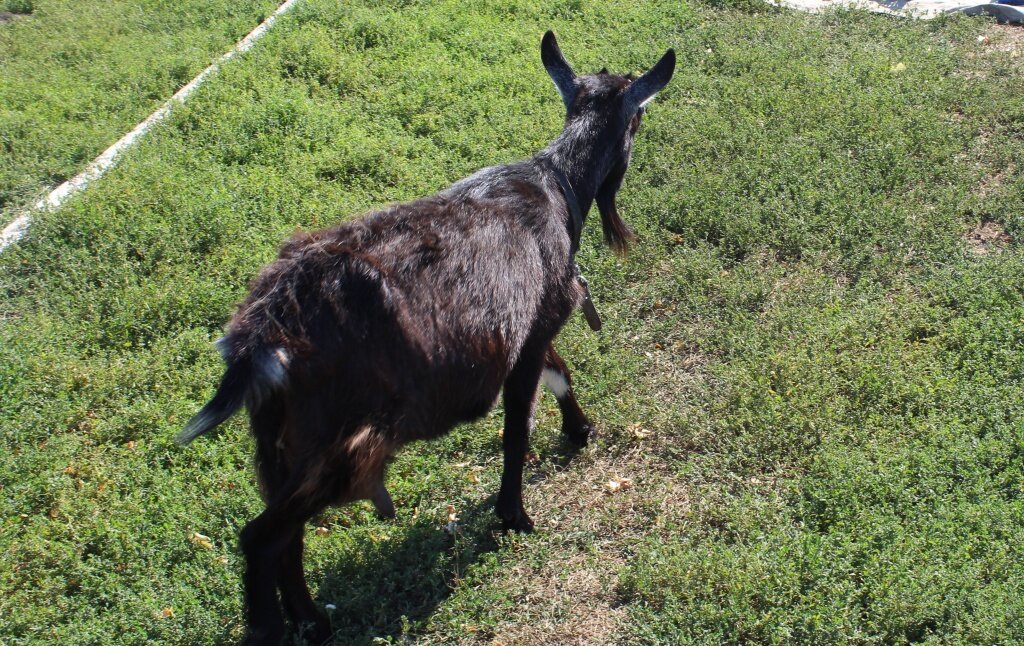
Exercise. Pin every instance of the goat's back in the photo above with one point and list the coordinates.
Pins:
(421, 309)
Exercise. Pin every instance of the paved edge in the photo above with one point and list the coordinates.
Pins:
(108, 158)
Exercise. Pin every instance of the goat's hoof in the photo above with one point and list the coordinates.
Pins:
(520, 523)
(581, 435)
(269, 637)
(316, 632)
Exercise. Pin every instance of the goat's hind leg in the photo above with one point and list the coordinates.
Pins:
(263, 611)
(265, 541)
(272, 544)
(298, 604)
(575, 424)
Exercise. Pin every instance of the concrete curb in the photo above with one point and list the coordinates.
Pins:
(16, 229)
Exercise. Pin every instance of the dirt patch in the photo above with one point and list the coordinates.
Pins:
(592, 515)
(987, 238)
(993, 182)
(994, 43)
(1003, 38)
(568, 606)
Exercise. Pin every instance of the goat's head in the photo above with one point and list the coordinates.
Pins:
(605, 110)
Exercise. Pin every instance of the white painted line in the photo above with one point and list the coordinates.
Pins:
(15, 230)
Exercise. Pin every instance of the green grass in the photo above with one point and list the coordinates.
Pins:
(810, 378)
(78, 74)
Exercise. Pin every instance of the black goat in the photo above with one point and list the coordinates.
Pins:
(396, 327)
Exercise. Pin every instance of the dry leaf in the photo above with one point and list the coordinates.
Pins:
(321, 531)
(473, 476)
(453, 521)
(223, 560)
(167, 613)
(617, 483)
(897, 68)
(130, 444)
(201, 540)
(637, 431)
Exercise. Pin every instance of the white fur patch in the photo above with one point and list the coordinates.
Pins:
(273, 368)
(222, 347)
(270, 373)
(556, 381)
(283, 357)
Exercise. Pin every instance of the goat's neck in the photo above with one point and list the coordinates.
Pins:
(584, 159)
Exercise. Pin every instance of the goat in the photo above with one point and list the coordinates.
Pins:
(365, 336)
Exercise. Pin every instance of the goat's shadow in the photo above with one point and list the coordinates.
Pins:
(388, 588)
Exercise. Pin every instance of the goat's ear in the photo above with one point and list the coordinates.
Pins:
(644, 88)
(558, 69)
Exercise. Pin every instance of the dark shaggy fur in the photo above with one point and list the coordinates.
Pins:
(365, 336)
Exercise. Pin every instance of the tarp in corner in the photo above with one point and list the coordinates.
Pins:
(1002, 10)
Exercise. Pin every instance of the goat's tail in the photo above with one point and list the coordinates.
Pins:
(248, 379)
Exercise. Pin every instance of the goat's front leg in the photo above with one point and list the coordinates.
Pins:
(575, 425)
(520, 394)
